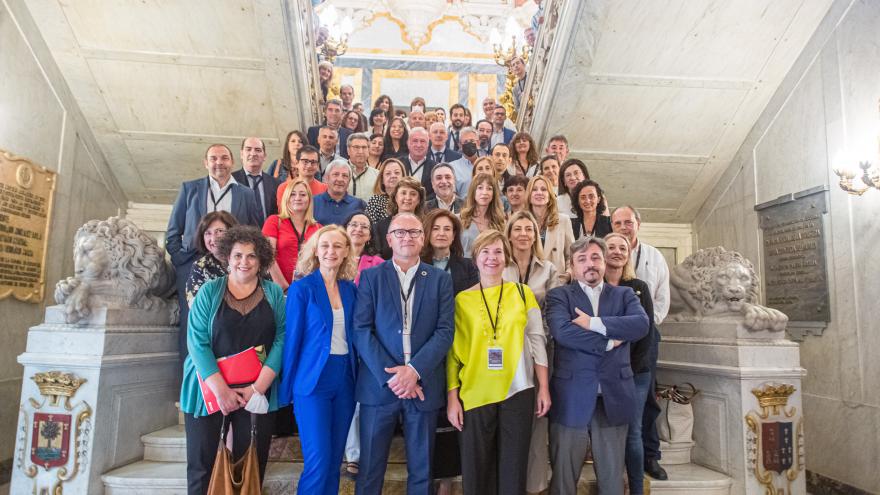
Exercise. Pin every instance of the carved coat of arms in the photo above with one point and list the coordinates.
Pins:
(775, 439)
(57, 434)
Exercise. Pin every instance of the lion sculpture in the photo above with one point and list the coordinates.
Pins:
(714, 282)
(116, 266)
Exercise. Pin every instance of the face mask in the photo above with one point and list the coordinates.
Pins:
(469, 149)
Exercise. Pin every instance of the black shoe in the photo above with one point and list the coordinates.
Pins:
(655, 470)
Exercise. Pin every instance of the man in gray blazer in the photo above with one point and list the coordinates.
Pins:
(217, 191)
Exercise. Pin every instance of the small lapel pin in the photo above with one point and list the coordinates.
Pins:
(424, 273)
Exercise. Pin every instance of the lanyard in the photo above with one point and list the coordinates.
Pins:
(639, 257)
(497, 310)
(218, 200)
(299, 237)
(354, 183)
(405, 298)
(419, 168)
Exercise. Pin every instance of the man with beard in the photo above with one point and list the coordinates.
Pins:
(456, 116)
(336, 205)
(253, 155)
(464, 166)
(651, 268)
(484, 134)
(592, 387)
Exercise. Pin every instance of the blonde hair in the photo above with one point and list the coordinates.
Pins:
(283, 208)
(379, 188)
(489, 236)
(629, 272)
(552, 218)
(481, 160)
(308, 255)
(494, 212)
(537, 246)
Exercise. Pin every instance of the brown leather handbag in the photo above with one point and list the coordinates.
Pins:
(235, 478)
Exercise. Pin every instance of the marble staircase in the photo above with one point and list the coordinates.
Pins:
(163, 471)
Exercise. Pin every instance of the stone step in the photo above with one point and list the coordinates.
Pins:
(169, 445)
(167, 478)
(676, 452)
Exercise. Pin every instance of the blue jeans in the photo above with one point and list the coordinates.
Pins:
(635, 453)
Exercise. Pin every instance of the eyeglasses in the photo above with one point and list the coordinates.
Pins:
(306, 161)
(401, 233)
(358, 225)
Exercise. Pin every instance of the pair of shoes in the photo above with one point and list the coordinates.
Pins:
(655, 470)
(351, 470)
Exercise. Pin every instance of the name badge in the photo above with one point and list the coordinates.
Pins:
(496, 358)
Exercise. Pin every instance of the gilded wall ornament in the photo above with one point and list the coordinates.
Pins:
(775, 439)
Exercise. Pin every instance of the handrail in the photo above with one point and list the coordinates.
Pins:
(299, 20)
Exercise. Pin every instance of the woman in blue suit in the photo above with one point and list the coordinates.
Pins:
(319, 361)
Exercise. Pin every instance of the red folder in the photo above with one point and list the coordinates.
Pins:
(238, 369)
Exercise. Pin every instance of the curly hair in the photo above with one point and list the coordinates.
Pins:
(702, 267)
(247, 234)
(308, 257)
(575, 201)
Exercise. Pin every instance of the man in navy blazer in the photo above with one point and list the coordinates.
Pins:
(592, 386)
(332, 119)
(264, 186)
(218, 191)
(439, 152)
(403, 328)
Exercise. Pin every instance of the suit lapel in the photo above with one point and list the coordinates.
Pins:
(421, 282)
(237, 208)
(605, 299)
(202, 197)
(322, 299)
(580, 298)
(393, 285)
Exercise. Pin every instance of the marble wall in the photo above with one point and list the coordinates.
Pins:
(827, 104)
(40, 120)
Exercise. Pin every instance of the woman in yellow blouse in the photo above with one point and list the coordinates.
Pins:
(498, 357)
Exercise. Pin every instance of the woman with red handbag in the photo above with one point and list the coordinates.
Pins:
(230, 318)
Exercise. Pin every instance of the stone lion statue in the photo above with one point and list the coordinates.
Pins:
(722, 284)
(116, 266)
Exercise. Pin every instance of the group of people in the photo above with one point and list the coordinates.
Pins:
(444, 281)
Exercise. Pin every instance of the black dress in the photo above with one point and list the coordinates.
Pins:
(601, 227)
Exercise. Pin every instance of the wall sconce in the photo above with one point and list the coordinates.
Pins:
(845, 170)
(332, 39)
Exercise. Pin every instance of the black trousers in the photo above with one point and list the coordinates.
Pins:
(495, 444)
(650, 438)
(203, 437)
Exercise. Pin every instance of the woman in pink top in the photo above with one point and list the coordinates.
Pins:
(359, 228)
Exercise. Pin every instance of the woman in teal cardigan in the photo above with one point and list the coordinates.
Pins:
(229, 315)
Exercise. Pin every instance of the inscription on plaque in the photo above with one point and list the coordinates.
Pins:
(794, 255)
(26, 192)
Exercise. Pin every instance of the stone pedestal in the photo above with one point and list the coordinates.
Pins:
(748, 414)
(115, 376)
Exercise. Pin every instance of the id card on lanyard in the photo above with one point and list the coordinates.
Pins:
(494, 353)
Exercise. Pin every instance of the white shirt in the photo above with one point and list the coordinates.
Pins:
(338, 343)
(596, 324)
(464, 173)
(652, 269)
(224, 201)
(405, 279)
(563, 203)
(417, 166)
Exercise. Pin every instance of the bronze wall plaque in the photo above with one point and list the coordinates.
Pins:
(26, 192)
(795, 276)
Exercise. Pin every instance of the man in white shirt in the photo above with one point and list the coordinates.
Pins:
(651, 268)
(363, 176)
